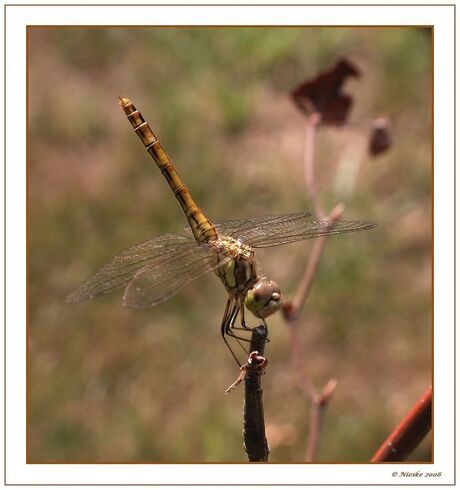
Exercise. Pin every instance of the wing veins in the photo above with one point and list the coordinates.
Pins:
(122, 268)
(325, 228)
(236, 227)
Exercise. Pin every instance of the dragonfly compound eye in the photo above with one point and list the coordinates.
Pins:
(264, 299)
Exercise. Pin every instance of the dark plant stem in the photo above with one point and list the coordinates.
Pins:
(408, 434)
(255, 441)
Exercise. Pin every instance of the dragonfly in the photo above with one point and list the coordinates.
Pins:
(153, 271)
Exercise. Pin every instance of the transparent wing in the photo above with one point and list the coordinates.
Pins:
(159, 281)
(163, 254)
(245, 229)
(297, 228)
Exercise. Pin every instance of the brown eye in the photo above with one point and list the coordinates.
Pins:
(264, 299)
(275, 289)
(262, 292)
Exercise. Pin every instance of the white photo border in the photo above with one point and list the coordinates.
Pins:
(17, 18)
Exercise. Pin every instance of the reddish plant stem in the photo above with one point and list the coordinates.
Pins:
(408, 434)
(318, 401)
(316, 417)
(309, 162)
(312, 266)
(317, 251)
(298, 359)
(361, 124)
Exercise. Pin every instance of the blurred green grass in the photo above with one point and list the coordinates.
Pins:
(106, 383)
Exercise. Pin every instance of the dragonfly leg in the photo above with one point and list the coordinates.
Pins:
(231, 310)
(228, 325)
(266, 328)
(244, 326)
(243, 323)
(231, 326)
(230, 333)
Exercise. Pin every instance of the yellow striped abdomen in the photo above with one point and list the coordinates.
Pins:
(202, 228)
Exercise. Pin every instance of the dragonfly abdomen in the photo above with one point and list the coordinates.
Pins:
(203, 230)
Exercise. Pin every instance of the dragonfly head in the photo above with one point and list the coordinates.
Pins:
(264, 298)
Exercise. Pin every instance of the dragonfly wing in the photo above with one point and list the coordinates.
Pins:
(300, 228)
(244, 229)
(158, 252)
(157, 282)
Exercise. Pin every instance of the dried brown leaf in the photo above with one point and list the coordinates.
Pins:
(323, 94)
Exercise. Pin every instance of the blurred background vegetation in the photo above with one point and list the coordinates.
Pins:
(107, 383)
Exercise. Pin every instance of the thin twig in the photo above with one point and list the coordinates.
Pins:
(299, 360)
(318, 401)
(310, 272)
(360, 124)
(255, 441)
(316, 417)
(309, 162)
(408, 433)
(312, 266)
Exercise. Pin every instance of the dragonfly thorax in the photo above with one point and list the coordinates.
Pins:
(238, 271)
(229, 246)
(239, 276)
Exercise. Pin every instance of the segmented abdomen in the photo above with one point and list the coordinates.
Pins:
(203, 230)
